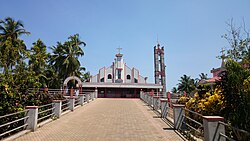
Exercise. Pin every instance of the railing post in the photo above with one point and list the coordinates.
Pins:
(87, 95)
(92, 96)
(146, 98)
(71, 92)
(151, 100)
(155, 102)
(81, 96)
(164, 108)
(96, 92)
(179, 112)
(58, 108)
(33, 117)
(72, 103)
(211, 128)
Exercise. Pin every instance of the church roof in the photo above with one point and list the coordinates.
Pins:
(122, 85)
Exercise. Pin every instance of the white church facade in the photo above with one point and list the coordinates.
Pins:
(120, 81)
(118, 72)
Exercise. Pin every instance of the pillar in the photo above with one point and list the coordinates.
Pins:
(71, 92)
(141, 94)
(87, 95)
(146, 97)
(212, 129)
(72, 103)
(96, 93)
(179, 112)
(58, 108)
(92, 96)
(164, 108)
(156, 63)
(33, 117)
(155, 102)
(81, 96)
(163, 78)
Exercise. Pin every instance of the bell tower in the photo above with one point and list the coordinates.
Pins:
(159, 67)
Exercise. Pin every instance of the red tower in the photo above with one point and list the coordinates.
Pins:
(160, 77)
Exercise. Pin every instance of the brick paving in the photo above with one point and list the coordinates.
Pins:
(106, 120)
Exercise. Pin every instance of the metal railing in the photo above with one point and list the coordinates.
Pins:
(77, 101)
(239, 134)
(170, 113)
(13, 123)
(45, 112)
(155, 94)
(65, 105)
(191, 124)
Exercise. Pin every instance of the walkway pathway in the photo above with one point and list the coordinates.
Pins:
(106, 120)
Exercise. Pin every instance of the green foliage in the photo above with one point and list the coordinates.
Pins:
(236, 94)
(65, 57)
(20, 82)
(186, 84)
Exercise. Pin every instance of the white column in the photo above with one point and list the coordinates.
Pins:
(92, 96)
(81, 96)
(58, 108)
(96, 93)
(210, 124)
(33, 117)
(72, 103)
(146, 98)
(151, 100)
(87, 95)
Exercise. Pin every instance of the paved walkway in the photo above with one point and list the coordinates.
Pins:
(106, 120)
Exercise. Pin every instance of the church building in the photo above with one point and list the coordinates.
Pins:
(120, 81)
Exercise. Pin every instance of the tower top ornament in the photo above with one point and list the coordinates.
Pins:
(119, 50)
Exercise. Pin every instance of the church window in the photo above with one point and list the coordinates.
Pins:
(119, 74)
(128, 77)
(109, 76)
(102, 80)
(135, 80)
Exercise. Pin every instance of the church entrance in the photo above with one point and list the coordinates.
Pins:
(118, 93)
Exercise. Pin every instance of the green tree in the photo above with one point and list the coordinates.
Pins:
(12, 47)
(38, 59)
(186, 84)
(65, 57)
(174, 90)
(236, 95)
(202, 76)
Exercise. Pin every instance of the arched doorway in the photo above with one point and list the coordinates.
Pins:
(79, 84)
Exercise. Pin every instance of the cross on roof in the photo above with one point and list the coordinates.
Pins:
(119, 49)
(222, 51)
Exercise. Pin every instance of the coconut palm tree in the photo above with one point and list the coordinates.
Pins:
(174, 90)
(186, 84)
(202, 76)
(65, 57)
(12, 47)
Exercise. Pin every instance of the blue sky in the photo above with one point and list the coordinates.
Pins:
(190, 30)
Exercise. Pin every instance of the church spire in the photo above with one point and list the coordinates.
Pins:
(119, 55)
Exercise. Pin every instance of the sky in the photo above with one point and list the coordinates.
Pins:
(189, 30)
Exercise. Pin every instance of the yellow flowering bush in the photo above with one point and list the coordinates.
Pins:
(183, 100)
(210, 103)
